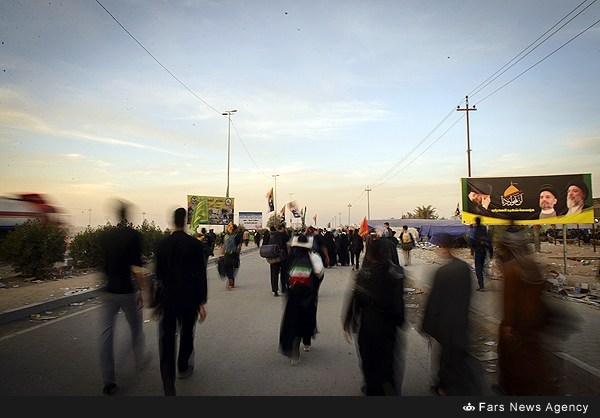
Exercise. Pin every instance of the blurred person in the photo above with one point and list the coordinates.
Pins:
(121, 249)
(374, 314)
(278, 271)
(356, 248)
(524, 366)
(446, 319)
(392, 247)
(205, 240)
(257, 238)
(246, 237)
(298, 323)
(407, 243)
(213, 241)
(181, 277)
(319, 244)
(232, 246)
(482, 246)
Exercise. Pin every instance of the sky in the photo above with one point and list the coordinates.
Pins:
(350, 108)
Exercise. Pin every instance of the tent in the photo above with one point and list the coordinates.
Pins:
(427, 227)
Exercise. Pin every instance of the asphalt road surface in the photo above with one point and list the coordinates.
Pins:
(236, 348)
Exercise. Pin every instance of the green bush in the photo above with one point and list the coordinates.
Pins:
(85, 247)
(34, 247)
(151, 235)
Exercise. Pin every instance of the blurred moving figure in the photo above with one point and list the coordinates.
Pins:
(121, 249)
(375, 312)
(524, 364)
(181, 274)
(446, 319)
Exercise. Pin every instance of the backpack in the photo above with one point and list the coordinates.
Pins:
(406, 238)
(300, 273)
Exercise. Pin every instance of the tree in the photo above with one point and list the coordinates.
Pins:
(425, 212)
(34, 247)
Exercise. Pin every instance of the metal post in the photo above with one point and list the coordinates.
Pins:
(368, 203)
(349, 206)
(228, 114)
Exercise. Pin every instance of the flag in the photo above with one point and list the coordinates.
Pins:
(293, 207)
(363, 231)
(315, 219)
(303, 217)
(457, 211)
(270, 200)
(282, 214)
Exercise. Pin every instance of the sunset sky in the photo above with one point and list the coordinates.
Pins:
(124, 98)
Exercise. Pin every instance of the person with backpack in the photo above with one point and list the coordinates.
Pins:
(407, 243)
(299, 321)
(232, 246)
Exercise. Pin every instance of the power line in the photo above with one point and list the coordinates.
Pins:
(156, 59)
(508, 65)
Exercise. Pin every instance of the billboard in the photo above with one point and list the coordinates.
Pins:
(209, 210)
(251, 220)
(528, 200)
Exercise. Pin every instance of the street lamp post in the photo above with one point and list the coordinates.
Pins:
(228, 114)
(275, 193)
(349, 206)
(368, 203)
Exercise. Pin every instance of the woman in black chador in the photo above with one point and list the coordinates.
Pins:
(376, 312)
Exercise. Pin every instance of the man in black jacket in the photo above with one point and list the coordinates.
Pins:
(181, 276)
(121, 249)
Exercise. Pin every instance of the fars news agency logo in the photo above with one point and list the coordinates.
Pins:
(468, 407)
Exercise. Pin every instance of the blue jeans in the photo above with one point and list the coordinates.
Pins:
(479, 263)
(113, 302)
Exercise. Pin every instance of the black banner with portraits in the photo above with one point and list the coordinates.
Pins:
(528, 200)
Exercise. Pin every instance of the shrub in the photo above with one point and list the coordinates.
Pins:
(151, 235)
(34, 247)
(85, 247)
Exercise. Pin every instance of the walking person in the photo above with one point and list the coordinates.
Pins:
(205, 240)
(232, 246)
(407, 243)
(482, 246)
(524, 363)
(356, 248)
(181, 276)
(375, 314)
(121, 249)
(298, 323)
(278, 271)
(446, 319)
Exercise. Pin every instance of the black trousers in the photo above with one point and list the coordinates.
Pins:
(279, 275)
(174, 319)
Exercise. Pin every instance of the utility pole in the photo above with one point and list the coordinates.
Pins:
(340, 213)
(368, 203)
(467, 110)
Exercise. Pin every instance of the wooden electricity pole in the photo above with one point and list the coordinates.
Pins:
(466, 109)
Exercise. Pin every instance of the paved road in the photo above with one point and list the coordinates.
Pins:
(237, 351)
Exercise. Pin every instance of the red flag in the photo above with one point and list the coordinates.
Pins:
(363, 231)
